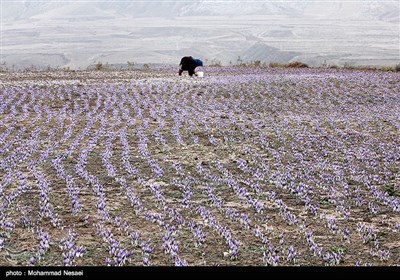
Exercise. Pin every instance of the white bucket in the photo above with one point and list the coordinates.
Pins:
(200, 74)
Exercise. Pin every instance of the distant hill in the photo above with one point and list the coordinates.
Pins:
(81, 33)
(366, 9)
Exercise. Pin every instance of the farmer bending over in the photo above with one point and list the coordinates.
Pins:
(189, 63)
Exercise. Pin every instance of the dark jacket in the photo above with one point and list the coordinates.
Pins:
(188, 63)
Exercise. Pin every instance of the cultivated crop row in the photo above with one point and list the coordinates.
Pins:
(245, 166)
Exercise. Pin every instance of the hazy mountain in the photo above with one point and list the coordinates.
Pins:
(55, 9)
(79, 33)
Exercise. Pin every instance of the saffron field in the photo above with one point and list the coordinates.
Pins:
(246, 166)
